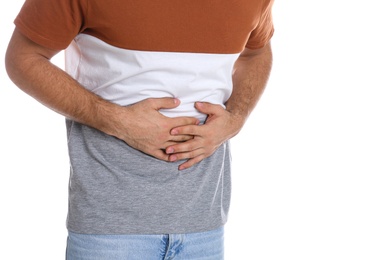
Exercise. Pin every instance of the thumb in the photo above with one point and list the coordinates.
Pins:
(208, 108)
(161, 103)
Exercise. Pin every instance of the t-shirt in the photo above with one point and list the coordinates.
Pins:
(128, 51)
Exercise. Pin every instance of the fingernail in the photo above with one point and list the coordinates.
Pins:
(181, 168)
(174, 132)
(199, 104)
(169, 150)
(172, 158)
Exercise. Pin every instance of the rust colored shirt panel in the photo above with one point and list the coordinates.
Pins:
(203, 26)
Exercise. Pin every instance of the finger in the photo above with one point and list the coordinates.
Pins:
(160, 154)
(184, 147)
(208, 108)
(191, 162)
(161, 103)
(187, 155)
(181, 138)
(182, 121)
(165, 146)
(168, 144)
(187, 130)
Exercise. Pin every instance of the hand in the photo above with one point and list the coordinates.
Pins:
(220, 126)
(144, 128)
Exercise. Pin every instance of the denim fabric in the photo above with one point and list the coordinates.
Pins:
(192, 246)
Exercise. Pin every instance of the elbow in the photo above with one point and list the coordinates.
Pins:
(19, 66)
(11, 64)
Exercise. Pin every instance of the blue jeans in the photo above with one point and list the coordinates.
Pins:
(192, 246)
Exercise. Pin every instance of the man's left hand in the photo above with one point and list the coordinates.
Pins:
(220, 126)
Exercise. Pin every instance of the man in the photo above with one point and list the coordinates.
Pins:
(153, 91)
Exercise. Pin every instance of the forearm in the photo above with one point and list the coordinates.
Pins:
(33, 73)
(140, 125)
(250, 76)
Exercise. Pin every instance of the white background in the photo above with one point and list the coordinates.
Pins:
(311, 167)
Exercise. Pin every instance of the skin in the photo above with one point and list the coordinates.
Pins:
(250, 76)
(141, 125)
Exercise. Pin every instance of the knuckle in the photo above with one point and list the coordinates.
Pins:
(161, 138)
(191, 154)
(187, 137)
(151, 102)
(164, 125)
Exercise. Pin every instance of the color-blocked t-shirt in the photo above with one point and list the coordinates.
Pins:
(125, 52)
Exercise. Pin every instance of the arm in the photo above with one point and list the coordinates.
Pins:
(250, 75)
(140, 125)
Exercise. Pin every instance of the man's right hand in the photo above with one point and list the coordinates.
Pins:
(141, 125)
(144, 128)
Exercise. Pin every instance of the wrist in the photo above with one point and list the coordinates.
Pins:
(236, 123)
(108, 117)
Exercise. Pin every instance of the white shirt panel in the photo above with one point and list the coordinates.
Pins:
(126, 76)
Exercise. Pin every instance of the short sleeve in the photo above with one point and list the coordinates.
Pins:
(264, 30)
(52, 23)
